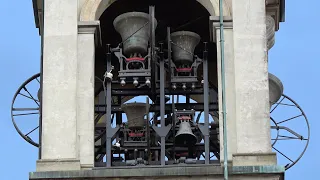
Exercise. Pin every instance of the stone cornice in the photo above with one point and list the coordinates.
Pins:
(91, 27)
(275, 8)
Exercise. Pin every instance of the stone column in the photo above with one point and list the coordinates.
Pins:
(59, 114)
(230, 86)
(251, 81)
(89, 36)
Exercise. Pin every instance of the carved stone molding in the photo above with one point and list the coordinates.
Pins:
(93, 9)
(270, 23)
(215, 24)
(91, 27)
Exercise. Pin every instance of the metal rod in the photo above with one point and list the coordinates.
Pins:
(29, 97)
(290, 119)
(25, 109)
(24, 88)
(162, 95)
(144, 91)
(206, 104)
(162, 111)
(156, 107)
(173, 128)
(188, 23)
(119, 114)
(172, 96)
(24, 114)
(134, 33)
(148, 131)
(277, 104)
(224, 109)
(32, 131)
(169, 51)
(108, 110)
(152, 48)
(162, 106)
(41, 81)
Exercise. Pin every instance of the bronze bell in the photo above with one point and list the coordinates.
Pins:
(128, 25)
(184, 136)
(184, 43)
(135, 114)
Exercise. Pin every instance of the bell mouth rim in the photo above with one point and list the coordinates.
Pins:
(277, 83)
(190, 33)
(131, 14)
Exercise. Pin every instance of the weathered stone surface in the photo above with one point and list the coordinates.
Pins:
(85, 93)
(251, 80)
(59, 113)
(229, 84)
(254, 159)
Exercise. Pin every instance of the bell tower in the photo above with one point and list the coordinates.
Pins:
(157, 90)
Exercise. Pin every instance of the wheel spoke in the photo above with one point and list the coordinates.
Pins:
(285, 104)
(283, 154)
(38, 80)
(24, 114)
(31, 95)
(25, 109)
(277, 104)
(32, 131)
(289, 119)
(290, 138)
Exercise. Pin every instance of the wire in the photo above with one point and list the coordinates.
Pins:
(134, 33)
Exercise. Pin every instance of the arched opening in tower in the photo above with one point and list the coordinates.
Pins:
(179, 15)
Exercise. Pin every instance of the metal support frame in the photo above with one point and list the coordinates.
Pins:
(152, 51)
(163, 130)
(193, 76)
(110, 132)
(156, 107)
(130, 73)
(205, 128)
(158, 89)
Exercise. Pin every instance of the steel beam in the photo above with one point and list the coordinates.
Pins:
(168, 107)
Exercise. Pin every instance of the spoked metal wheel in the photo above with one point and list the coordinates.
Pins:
(290, 131)
(25, 112)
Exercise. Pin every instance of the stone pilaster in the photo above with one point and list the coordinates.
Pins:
(59, 114)
(229, 83)
(251, 82)
(88, 37)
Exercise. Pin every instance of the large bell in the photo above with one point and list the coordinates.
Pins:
(275, 89)
(135, 114)
(184, 43)
(184, 136)
(128, 25)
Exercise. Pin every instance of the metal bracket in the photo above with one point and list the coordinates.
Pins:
(162, 131)
(204, 130)
(112, 131)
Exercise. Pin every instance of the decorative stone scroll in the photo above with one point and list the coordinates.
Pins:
(270, 31)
